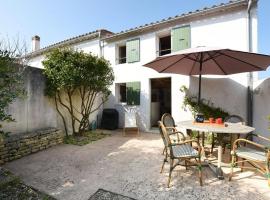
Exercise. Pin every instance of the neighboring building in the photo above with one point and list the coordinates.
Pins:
(224, 25)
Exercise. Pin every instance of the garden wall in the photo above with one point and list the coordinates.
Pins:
(36, 111)
(18, 145)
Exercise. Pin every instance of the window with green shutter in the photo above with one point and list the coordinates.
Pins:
(133, 50)
(180, 38)
(133, 93)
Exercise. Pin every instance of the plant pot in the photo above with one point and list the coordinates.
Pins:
(199, 118)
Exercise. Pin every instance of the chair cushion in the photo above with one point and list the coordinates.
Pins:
(249, 153)
(184, 150)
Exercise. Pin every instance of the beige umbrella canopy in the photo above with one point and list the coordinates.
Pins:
(211, 61)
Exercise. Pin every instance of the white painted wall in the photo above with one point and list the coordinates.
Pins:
(262, 107)
(87, 46)
(228, 31)
(36, 61)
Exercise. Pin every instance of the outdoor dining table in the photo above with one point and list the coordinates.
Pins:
(219, 129)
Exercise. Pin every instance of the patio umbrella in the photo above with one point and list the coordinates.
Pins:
(211, 61)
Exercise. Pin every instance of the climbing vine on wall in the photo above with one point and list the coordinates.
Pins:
(206, 107)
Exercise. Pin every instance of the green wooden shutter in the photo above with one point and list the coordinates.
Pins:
(133, 50)
(180, 38)
(133, 93)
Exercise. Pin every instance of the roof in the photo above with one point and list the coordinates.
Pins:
(73, 40)
(108, 35)
(199, 12)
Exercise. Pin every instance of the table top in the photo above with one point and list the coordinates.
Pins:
(233, 128)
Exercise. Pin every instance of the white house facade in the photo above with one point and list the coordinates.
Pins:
(150, 93)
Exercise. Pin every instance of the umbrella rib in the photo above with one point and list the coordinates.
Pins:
(214, 56)
(255, 66)
(173, 63)
(191, 58)
(217, 64)
(194, 64)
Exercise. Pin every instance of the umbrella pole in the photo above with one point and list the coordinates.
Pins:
(200, 81)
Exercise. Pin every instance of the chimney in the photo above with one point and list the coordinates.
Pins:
(35, 43)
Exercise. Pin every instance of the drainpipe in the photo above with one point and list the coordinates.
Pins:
(250, 74)
(101, 54)
(100, 46)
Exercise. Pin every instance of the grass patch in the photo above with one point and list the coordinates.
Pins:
(86, 138)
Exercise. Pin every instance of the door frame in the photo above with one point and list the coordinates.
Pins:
(150, 97)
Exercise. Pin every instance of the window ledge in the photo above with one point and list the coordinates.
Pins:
(121, 104)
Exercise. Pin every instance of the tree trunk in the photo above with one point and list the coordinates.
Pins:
(64, 121)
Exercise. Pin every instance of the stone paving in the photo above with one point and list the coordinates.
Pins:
(128, 166)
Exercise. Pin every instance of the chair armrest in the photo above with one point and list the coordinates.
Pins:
(178, 133)
(171, 128)
(238, 141)
(258, 136)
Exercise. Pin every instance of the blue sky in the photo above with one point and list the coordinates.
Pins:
(56, 20)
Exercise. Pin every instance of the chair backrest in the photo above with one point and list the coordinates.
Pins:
(130, 120)
(167, 120)
(164, 135)
(234, 119)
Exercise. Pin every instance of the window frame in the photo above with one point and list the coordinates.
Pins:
(159, 44)
(119, 52)
(135, 99)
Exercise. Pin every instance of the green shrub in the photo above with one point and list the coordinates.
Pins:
(11, 84)
(205, 107)
(73, 75)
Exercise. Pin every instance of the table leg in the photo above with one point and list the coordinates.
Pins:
(217, 168)
(203, 137)
(219, 171)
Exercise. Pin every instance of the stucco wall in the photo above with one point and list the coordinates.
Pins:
(36, 111)
(261, 100)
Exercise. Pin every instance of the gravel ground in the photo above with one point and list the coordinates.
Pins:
(128, 166)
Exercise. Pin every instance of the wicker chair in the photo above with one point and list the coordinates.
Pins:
(179, 135)
(227, 138)
(257, 155)
(182, 152)
(168, 122)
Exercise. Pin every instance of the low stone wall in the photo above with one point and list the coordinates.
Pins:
(18, 145)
